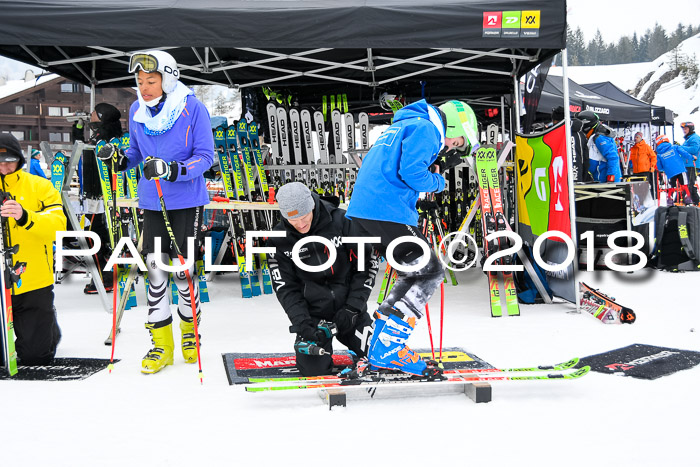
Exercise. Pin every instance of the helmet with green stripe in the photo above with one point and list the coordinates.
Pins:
(461, 121)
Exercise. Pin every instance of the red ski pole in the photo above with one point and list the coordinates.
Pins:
(430, 330)
(442, 313)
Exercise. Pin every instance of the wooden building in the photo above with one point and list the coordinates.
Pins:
(40, 108)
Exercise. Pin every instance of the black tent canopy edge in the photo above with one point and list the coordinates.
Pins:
(610, 105)
(437, 49)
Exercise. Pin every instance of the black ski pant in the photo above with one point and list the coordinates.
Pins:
(36, 327)
(356, 341)
(692, 177)
(412, 290)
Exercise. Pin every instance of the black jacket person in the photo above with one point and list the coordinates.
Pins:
(338, 294)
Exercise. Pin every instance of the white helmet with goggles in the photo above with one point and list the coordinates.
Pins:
(157, 60)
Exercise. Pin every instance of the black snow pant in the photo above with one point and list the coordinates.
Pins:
(36, 327)
(412, 290)
(356, 341)
(692, 177)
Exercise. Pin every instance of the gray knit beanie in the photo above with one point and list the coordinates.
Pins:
(295, 200)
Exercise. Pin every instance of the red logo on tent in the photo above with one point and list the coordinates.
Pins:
(492, 19)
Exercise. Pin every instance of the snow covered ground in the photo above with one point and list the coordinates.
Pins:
(169, 419)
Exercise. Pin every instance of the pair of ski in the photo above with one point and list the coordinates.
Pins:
(9, 276)
(603, 307)
(561, 371)
(494, 220)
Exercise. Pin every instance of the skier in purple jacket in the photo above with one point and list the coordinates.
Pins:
(171, 132)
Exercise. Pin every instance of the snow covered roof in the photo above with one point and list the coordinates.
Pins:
(14, 86)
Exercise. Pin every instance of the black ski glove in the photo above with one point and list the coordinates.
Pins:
(345, 319)
(447, 160)
(156, 167)
(311, 333)
(109, 153)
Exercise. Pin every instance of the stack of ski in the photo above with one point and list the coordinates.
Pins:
(493, 220)
(244, 178)
(562, 371)
(308, 146)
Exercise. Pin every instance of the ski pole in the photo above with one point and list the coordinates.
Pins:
(190, 283)
(430, 330)
(442, 314)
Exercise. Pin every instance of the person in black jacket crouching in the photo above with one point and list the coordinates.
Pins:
(332, 299)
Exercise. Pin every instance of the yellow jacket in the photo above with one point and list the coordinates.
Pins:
(42, 203)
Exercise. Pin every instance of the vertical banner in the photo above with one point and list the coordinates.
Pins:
(534, 82)
(543, 200)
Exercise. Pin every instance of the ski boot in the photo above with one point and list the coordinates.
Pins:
(161, 354)
(388, 348)
(188, 341)
(91, 289)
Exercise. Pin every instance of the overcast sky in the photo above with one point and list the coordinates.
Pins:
(616, 18)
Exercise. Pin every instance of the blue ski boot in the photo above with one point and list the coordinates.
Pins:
(388, 348)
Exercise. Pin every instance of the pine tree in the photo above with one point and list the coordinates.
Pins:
(658, 42)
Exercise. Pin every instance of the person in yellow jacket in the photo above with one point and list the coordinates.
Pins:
(643, 160)
(32, 213)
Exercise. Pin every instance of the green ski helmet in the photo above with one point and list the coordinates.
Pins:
(461, 121)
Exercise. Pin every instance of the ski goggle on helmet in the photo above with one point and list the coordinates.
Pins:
(461, 121)
(157, 61)
(688, 125)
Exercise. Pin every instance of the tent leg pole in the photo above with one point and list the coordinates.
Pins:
(569, 155)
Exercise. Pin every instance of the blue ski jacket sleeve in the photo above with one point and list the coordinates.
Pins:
(190, 143)
(35, 168)
(692, 146)
(397, 168)
(606, 146)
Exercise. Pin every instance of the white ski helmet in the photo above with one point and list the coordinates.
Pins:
(157, 60)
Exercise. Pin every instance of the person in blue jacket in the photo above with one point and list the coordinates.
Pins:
(407, 159)
(604, 158)
(35, 164)
(672, 159)
(171, 131)
(692, 145)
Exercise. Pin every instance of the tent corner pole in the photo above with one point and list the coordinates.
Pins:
(516, 102)
(570, 174)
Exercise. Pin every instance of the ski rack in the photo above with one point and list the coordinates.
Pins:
(73, 159)
(505, 152)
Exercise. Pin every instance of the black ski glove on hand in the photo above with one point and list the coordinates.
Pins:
(345, 319)
(447, 160)
(311, 333)
(156, 167)
(109, 153)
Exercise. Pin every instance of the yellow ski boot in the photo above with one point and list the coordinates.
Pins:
(189, 344)
(162, 352)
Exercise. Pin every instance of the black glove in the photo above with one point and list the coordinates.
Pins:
(109, 153)
(447, 160)
(156, 167)
(313, 334)
(345, 319)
